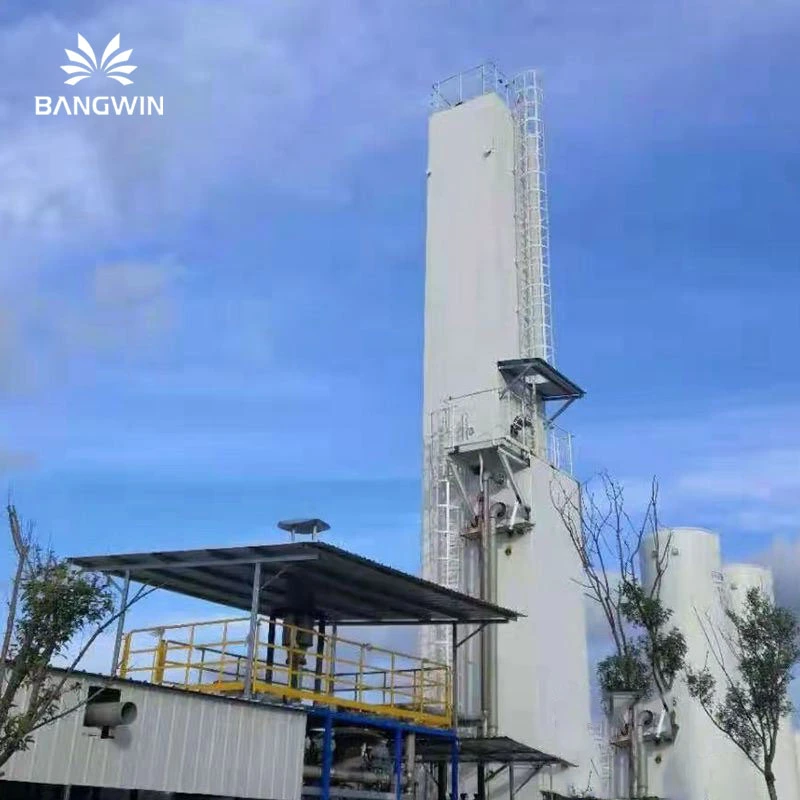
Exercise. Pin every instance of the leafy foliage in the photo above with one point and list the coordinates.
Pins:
(659, 652)
(626, 672)
(762, 642)
(56, 604)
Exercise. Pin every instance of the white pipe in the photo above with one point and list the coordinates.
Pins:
(312, 772)
(109, 715)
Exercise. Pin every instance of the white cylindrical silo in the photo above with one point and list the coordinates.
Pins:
(796, 739)
(692, 579)
(689, 768)
(739, 579)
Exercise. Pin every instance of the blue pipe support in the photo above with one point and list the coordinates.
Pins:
(367, 721)
(398, 728)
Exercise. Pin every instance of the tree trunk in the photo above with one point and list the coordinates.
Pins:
(769, 777)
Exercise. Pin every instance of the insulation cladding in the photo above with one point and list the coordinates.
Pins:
(180, 742)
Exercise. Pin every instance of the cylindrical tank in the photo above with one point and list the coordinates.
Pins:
(690, 768)
(692, 581)
(797, 750)
(739, 579)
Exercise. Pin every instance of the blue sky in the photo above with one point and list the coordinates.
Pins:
(213, 320)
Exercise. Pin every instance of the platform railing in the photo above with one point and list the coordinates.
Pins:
(291, 663)
(490, 415)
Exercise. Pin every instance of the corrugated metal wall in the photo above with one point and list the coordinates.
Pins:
(180, 742)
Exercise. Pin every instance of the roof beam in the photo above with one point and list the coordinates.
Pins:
(119, 565)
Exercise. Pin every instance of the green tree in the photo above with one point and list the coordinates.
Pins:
(755, 654)
(51, 605)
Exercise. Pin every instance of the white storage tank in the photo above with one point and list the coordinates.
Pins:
(739, 579)
(700, 763)
(797, 750)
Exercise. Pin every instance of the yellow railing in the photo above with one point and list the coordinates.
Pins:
(293, 663)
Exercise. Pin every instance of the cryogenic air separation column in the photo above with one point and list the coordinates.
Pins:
(492, 451)
(487, 293)
(470, 302)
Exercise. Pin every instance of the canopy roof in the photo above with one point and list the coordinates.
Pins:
(550, 383)
(488, 750)
(301, 577)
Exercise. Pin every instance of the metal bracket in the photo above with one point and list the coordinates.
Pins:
(512, 480)
(462, 490)
(567, 403)
(532, 773)
(495, 772)
(474, 633)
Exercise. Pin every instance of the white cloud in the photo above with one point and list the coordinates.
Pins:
(118, 311)
(252, 92)
(733, 469)
(50, 180)
(783, 558)
(289, 95)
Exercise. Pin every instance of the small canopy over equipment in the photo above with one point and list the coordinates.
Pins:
(550, 383)
(486, 750)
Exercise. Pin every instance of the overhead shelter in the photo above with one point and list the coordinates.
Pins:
(548, 382)
(487, 750)
(337, 585)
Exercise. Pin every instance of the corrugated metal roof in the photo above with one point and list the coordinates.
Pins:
(310, 577)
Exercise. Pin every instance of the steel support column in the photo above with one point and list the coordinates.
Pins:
(253, 634)
(441, 783)
(320, 658)
(327, 757)
(123, 607)
(411, 762)
(454, 769)
(270, 647)
(454, 680)
(398, 764)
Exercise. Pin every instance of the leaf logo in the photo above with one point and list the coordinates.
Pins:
(112, 66)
